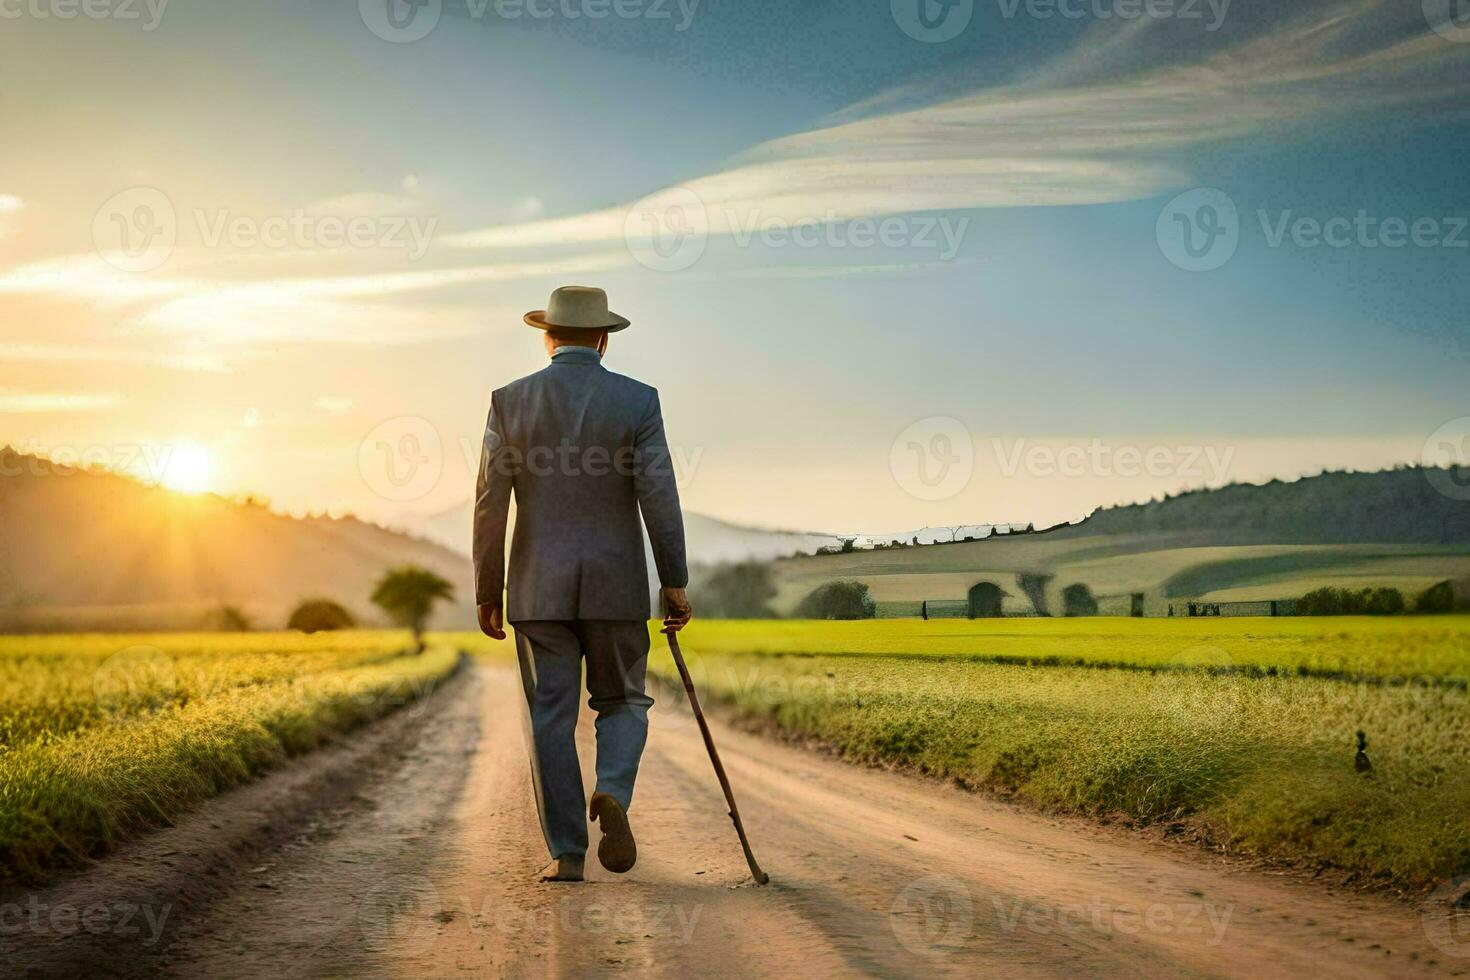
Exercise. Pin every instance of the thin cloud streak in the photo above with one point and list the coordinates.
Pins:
(91, 354)
(20, 401)
(1061, 136)
(231, 312)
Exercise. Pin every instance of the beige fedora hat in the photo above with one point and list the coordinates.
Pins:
(577, 308)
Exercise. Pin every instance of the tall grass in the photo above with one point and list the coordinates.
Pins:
(104, 743)
(1255, 762)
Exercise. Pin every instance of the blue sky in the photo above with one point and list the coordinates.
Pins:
(1046, 147)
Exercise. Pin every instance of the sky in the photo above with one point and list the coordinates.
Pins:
(890, 263)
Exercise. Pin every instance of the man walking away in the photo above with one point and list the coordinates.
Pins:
(583, 451)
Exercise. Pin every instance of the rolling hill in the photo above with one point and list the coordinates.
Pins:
(708, 540)
(91, 550)
(1238, 543)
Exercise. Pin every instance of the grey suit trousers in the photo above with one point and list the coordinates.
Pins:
(550, 654)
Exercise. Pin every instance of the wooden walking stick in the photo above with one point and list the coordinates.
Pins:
(714, 756)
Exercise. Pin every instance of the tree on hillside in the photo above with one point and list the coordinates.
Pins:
(1438, 598)
(738, 591)
(838, 600)
(315, 615)
(1033, 584)
(407, 594)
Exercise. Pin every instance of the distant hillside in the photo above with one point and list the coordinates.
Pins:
(708, 540)
(1242, 542)
(96, 550)
(1398, 506)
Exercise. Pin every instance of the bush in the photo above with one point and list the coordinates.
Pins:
(1077, 600)
(316, 615)
(838, 600)
(229, 619)
(1345, 602)
(738, 591)
(1438, 598)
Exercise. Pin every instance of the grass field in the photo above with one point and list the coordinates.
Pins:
(1161, 566)
(103, 736)
(1160, 726)
(1426, 649)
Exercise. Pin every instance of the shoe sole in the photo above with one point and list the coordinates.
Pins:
(617, 850)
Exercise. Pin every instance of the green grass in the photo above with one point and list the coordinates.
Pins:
(1425, 650)
(1258, 762)
(102, 737)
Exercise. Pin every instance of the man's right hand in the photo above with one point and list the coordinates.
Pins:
(491, 621)
(677, 611)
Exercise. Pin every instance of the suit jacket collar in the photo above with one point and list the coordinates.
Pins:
(576, 355)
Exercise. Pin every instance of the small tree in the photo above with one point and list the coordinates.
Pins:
(315, 615)
(838, 600)
(407, 594)
(1438, 598)
(739, 591)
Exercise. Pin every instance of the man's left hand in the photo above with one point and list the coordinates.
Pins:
(491, 621)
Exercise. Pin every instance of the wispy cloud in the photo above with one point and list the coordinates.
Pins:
(93, 354)
(10, 205)
(333, 405)
(1112, 121)
(231, 312)
(53, 402)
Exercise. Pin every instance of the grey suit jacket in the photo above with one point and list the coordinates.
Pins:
(583, 450)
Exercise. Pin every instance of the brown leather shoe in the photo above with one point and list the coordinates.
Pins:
(617, 851)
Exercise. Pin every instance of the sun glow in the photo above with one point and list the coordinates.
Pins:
(187, 468)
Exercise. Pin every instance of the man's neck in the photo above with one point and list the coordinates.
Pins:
(575, 352)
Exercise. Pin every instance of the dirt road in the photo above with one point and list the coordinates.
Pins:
(412, 852)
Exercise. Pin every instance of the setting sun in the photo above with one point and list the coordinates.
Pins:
(187, 468)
